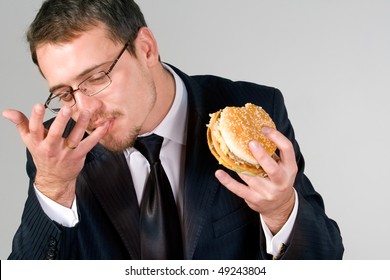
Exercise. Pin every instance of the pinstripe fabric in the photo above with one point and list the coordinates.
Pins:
(110, 181)
(217, 224)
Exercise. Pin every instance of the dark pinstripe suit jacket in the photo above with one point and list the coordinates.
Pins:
(217, 224)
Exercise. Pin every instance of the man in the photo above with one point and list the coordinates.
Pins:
(88, 176)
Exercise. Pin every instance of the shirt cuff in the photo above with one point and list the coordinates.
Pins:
(67, 217)
(275, 243)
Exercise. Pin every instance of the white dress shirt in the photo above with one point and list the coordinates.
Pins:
(172, 155)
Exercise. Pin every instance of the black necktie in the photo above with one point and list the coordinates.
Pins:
(159, 219)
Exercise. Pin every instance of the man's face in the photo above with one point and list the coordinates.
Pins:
(126, 103)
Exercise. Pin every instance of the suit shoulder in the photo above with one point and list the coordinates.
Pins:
(237, 93)
(213, 82)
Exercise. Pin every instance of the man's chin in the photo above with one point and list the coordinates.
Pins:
(115, 146)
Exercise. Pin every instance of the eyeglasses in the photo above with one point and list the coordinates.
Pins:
(64, 96)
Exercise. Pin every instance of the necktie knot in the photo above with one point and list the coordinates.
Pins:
(150, 146)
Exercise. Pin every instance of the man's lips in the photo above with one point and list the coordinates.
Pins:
(97, 124)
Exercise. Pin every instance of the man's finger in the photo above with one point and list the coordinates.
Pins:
(37, 130)
(78, 131)
(232, 185)
(262, 157)
(284, 145)
(57, 128)
(92, 139)
(19, 119)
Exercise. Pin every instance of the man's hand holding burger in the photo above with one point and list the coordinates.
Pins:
(269, 192)
(271, 196)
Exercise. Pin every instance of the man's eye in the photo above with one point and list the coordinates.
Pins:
(61, 91)
(65, 97)
(96, 79)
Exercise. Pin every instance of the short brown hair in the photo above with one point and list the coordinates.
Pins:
(59, 21)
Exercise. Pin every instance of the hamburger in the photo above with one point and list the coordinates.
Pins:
(228, 135)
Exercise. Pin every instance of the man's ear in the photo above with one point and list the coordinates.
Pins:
(146, 46)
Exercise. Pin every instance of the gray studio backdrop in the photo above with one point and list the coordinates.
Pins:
(331, 60)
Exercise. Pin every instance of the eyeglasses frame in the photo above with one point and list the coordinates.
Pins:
(72, 91)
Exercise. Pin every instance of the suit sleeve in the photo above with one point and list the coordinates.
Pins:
(314, 235)
(38, 237)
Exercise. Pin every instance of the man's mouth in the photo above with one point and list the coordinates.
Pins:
(92, 126)
(100, 119)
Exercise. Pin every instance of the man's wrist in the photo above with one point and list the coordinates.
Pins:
(274, 242)
(59, 191)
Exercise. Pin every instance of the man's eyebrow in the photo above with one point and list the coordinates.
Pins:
(80, 76)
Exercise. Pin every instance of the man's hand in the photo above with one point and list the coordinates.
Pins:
(58, 160)
(272, 196)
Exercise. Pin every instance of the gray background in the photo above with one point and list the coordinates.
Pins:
(331, 60)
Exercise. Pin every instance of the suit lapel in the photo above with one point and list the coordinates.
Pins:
(200, 184)
(109, 178)
(200, 187)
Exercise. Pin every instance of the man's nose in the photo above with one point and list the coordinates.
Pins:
(85, 102)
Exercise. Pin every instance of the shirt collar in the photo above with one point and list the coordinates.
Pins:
(173, 126)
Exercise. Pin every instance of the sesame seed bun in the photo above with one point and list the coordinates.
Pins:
(229, 132)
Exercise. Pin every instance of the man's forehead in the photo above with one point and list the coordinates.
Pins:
(67, 62)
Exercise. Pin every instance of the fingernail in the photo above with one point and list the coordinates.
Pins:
(220, 175)
(66, 111)
(38, 109)
(253, 145)
(265, 129)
